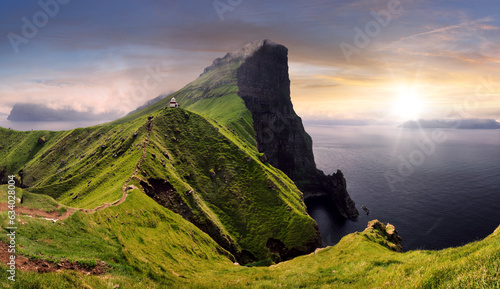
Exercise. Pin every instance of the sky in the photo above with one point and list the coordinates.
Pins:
(383, 60)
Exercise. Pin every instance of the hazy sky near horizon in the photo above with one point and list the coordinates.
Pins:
(368, 59)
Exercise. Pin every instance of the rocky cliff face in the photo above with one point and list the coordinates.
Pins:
(264, 85)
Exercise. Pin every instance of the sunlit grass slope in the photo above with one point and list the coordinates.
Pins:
(213, 95)
(143, 244)
(147, 246)
(81, 168)
(218, 181)
(250, 200)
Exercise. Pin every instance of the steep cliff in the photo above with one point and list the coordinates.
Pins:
(264, 85)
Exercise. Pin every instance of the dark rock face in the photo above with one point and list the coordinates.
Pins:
(264, 85)
(283, 253)
(335, 186)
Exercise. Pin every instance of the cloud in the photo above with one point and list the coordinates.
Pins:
(308, 83)
(95, 54)
(465, 24)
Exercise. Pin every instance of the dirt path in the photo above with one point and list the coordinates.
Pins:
(55, 216)
(38, 213)
(42, 266)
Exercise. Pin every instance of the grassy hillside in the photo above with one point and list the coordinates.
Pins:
(17, 148)
(196, 168)
(235, 185)
(144, 245)
(84, 167)
(170, 198)
(213, 95)
(139, 241)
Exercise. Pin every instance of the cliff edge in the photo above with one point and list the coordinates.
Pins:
(264, 85)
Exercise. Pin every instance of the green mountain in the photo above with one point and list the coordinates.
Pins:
(248, 93)
(180, 160)
(173, 197)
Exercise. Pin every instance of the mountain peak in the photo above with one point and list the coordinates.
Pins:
(250, 49)
(243, 53)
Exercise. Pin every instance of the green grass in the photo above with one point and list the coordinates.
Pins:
(76, 238)
(138, 239)
(230, 111)
(154, 248)
(239, 193)
(245, 202)
(32, 201)
(146, 245)
(359, 261)
(87, 167)
(42, 202)
(17, 147)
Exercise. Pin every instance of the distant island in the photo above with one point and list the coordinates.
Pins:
(40, 112)
(452, 123)
(354, 122)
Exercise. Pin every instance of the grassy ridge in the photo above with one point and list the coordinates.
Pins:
(218, 181)
(33, 201)
(18, 148)
(86, 167)
(213, 95)
(250, 201)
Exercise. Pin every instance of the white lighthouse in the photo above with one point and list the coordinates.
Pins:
(173, 103)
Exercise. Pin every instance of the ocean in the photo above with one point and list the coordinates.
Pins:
(440, 188)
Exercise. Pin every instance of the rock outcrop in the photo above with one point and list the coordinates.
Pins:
(385, 235)
(264, 85)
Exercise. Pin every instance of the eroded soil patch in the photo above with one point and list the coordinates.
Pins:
(42, 266)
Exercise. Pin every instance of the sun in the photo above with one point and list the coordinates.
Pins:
(407, 104)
